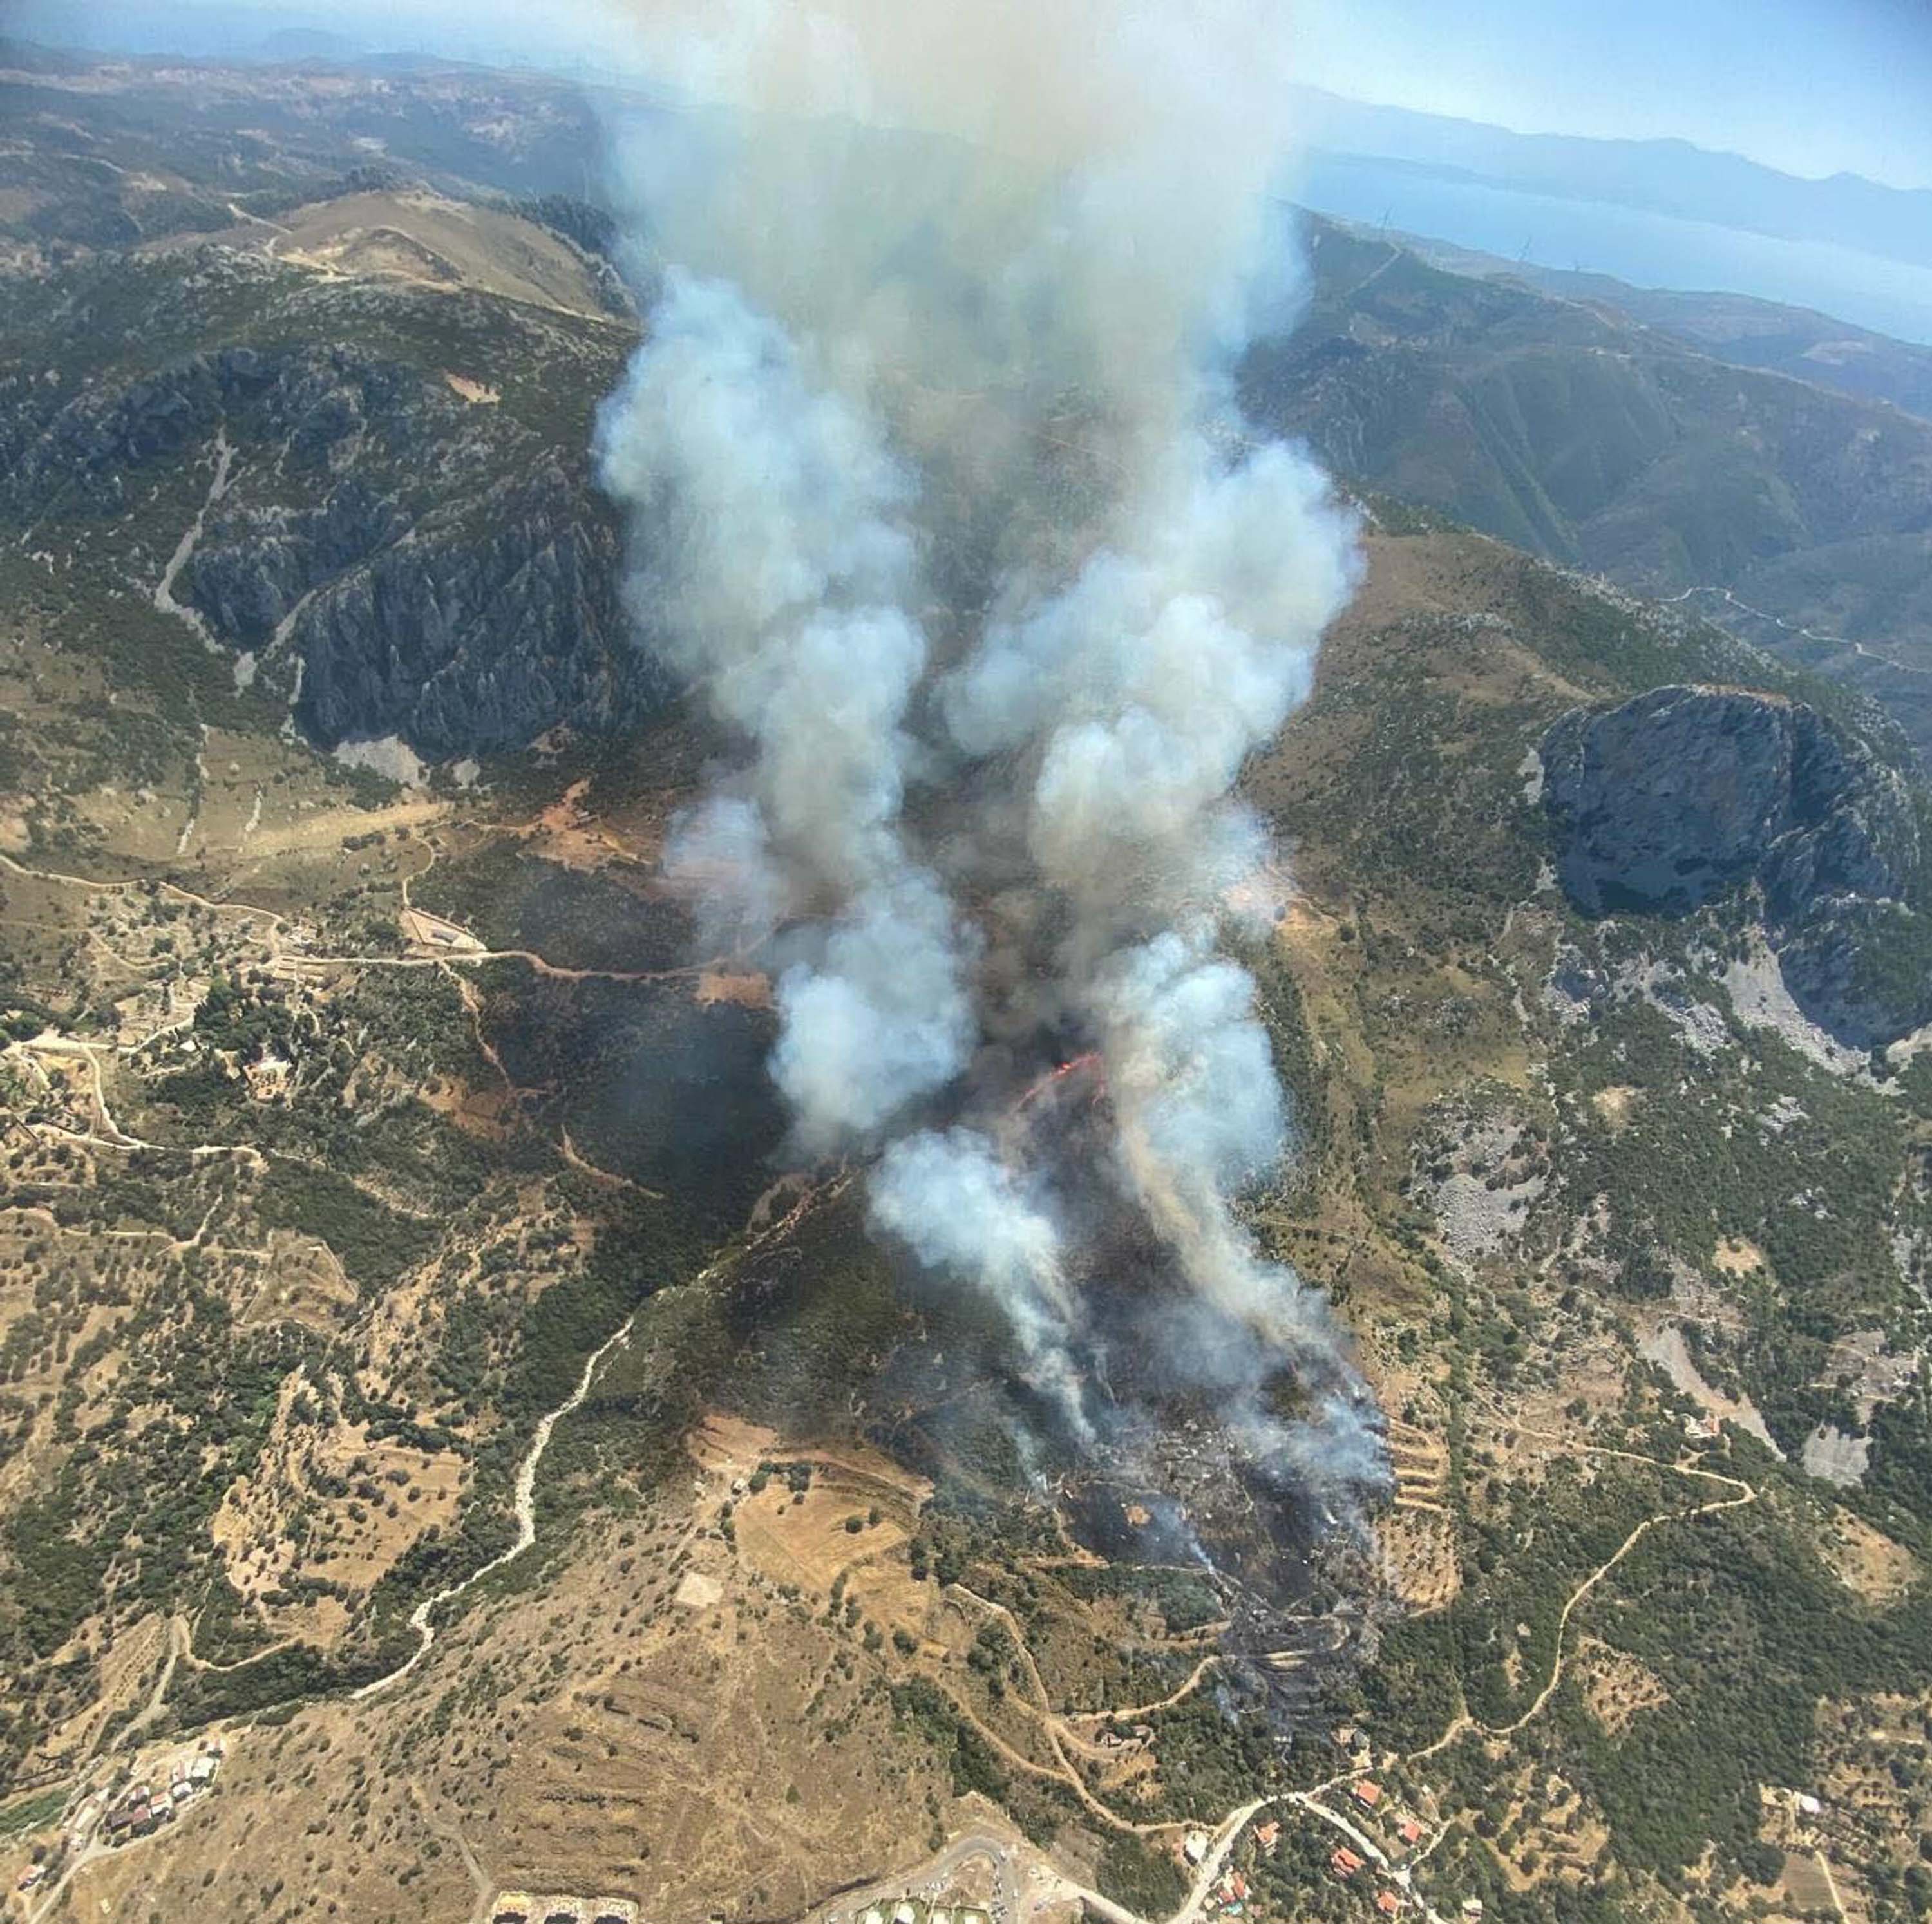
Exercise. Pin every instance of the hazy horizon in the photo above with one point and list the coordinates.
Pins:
(1809, 88)
(1692, 223)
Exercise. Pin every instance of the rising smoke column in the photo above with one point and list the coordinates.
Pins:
(781, 563)
(1139, 688)
(1133, 697)
(934, 467)
(954, 1201)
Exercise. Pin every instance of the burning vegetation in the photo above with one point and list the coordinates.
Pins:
(995, 596)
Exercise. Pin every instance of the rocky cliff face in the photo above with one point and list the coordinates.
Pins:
(394, 555)
(1684, 794)
(480, 631)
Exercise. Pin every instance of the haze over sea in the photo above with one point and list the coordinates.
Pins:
(1646, 249)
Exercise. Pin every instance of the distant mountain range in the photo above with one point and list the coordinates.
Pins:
(1769, 465)
(1801, 342)
(1671, 178)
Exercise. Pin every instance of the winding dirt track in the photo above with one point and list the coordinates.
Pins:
(525, 1504)
(1054, 1723)
(1226, 1833)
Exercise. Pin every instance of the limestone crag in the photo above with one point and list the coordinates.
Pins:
(1684, 794)
(399, 560)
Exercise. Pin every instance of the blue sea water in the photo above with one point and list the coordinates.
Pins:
(1645, 248)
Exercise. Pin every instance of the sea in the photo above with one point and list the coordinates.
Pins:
(1645, 248)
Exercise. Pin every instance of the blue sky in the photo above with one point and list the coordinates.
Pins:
(1812, 86)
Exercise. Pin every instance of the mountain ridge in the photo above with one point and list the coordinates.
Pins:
(1669, 176)
(1595, 441)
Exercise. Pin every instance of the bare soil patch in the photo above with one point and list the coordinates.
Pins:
(420, 237)
(748, 990)
(1615, 1104)
(803, 1538)
(1866, 1561)
(1616, 1685)
(1418, 1558)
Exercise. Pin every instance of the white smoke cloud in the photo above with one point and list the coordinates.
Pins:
(1006, 226)
(879, 1018)
(719, 855)
(956, 1204)
(951, 299)
(1200, 1117)
(1339, 1446)
(780, 563)
(1147, 681)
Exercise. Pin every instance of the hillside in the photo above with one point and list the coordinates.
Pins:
(1822, 348)
(1733, 452)
(121, 152)
(1514, 1118)
(257, 485)
(1569, 430)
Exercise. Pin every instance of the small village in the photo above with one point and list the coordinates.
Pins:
(146, 1807)
(142, 1808)
(116, 1816)
(1380, 1838)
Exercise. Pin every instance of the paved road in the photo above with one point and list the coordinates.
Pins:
(935, 1873)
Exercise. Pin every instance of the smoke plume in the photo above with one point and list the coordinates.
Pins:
(961, 1209)
(940, 503)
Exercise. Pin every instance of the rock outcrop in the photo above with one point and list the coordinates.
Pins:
(1684, 794)
(399, 560)
(494, 623)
